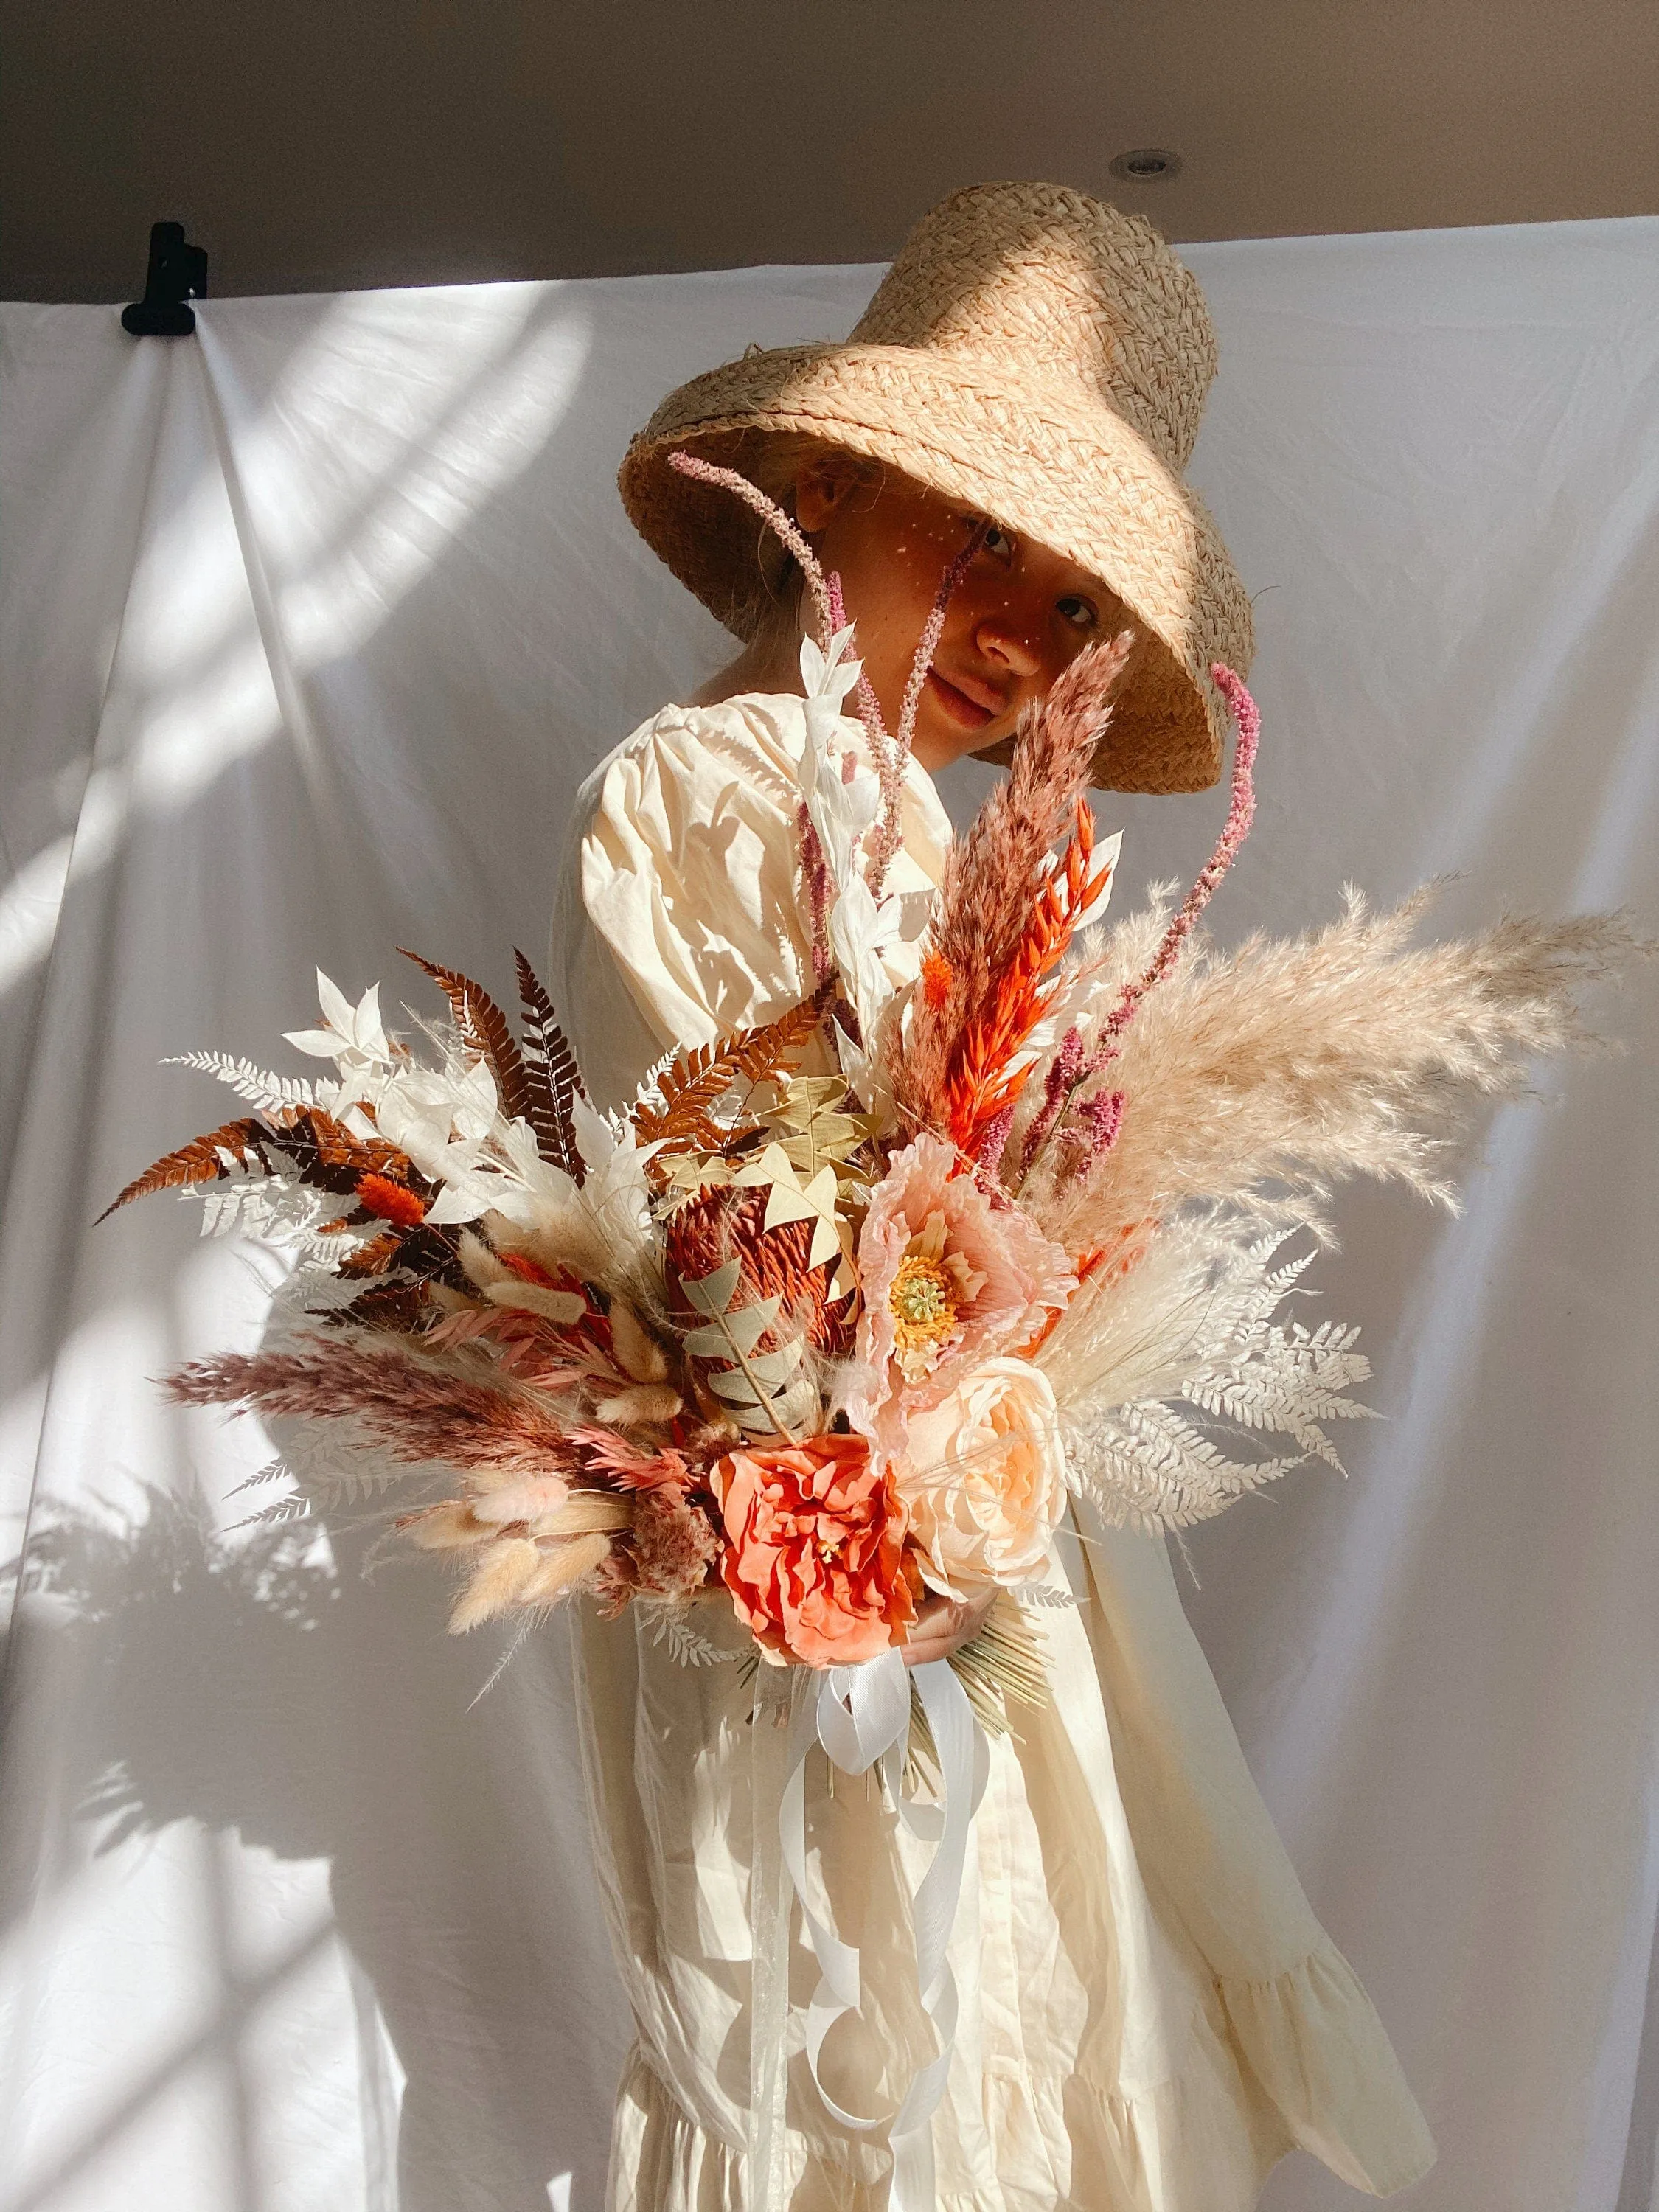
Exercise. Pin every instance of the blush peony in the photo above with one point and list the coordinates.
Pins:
(983, 1473)
(952, 1275)
(815, 1559)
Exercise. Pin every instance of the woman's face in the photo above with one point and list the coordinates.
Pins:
(1019, 614)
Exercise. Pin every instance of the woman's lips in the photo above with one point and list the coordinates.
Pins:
(958, 705)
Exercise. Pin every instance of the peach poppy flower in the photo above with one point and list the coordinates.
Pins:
(952, 1275)
(815, 1557)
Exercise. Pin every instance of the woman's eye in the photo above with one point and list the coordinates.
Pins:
(997, 540)
(1082, 614)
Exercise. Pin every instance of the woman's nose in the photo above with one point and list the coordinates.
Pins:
(1005, 640)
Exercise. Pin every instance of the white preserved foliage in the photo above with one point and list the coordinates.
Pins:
(1042, 1594)
(274, 1470)
(671, 1628)
(315, 1288)
(291, 1507)
(256, 1084)
(1186, 1365)
(337, 1463)
(278, 1209)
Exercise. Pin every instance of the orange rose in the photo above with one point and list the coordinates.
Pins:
(815, 1557)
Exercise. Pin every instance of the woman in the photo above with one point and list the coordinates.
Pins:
(1151, 2015)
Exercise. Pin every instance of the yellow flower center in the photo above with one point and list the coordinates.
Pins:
(922, 1303)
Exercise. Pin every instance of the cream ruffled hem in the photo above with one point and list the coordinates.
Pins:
(1299, 2061)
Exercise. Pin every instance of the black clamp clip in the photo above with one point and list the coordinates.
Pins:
(177, 273)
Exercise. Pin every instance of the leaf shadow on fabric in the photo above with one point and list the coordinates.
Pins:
(319, 1716)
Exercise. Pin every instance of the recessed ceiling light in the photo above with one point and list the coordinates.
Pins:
(1145, 164)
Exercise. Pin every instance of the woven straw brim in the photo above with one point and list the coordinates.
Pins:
(1067, 471)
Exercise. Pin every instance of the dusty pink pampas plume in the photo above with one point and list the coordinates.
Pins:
(1301, 1062)
(887, 836)
(418, 1411)
(732, 480)
(992, 875)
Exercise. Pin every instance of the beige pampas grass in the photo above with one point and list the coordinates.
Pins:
(1301, 1062)
(447, 1526)
(584, 1233)
(562, 1308)
(638, 1353)
(585, 1513)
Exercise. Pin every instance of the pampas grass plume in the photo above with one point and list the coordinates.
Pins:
(637, 1352)
(1304, 1061)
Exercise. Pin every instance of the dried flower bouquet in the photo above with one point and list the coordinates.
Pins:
(839, 1311)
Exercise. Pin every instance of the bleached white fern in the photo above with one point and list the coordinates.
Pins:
(1143, 1466)
(278, 1209)
(671, 1628)
(314, 1287)
(1197, 1330)
(1043, 1594)
(292, 1508)
(339, 1463)
(274, 1470)
(256, 1084)
(1287, 1380)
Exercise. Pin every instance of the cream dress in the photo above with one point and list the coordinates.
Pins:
(1151, 2015)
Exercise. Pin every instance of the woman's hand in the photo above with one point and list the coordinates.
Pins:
(944, 1624)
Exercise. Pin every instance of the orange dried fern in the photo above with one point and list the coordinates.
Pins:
(307, 1143)
(484, 1030)
(203, 1160)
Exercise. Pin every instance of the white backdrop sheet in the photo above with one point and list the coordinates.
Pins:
(310, 628)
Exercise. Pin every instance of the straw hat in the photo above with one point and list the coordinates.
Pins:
(1043, 359)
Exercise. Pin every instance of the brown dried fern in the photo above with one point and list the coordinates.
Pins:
(699, 1079)
(308, 1142)
(324, 1152)
(484, 1030)
(202, 1160)
(552, 1078)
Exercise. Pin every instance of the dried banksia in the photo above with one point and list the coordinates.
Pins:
(754, 1309)
(723, 1223)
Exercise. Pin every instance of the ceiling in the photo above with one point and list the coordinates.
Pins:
(318, 144)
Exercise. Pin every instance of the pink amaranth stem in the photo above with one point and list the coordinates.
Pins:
(885, 839)
(689, 465)
(987, 1152)
(869, 705)
(1065, 1071)
(1240, 814)
(815, 872)
(887, 752)
(1104, 1115)
(930, 636)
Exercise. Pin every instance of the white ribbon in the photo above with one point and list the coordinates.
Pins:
(860, 1714)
